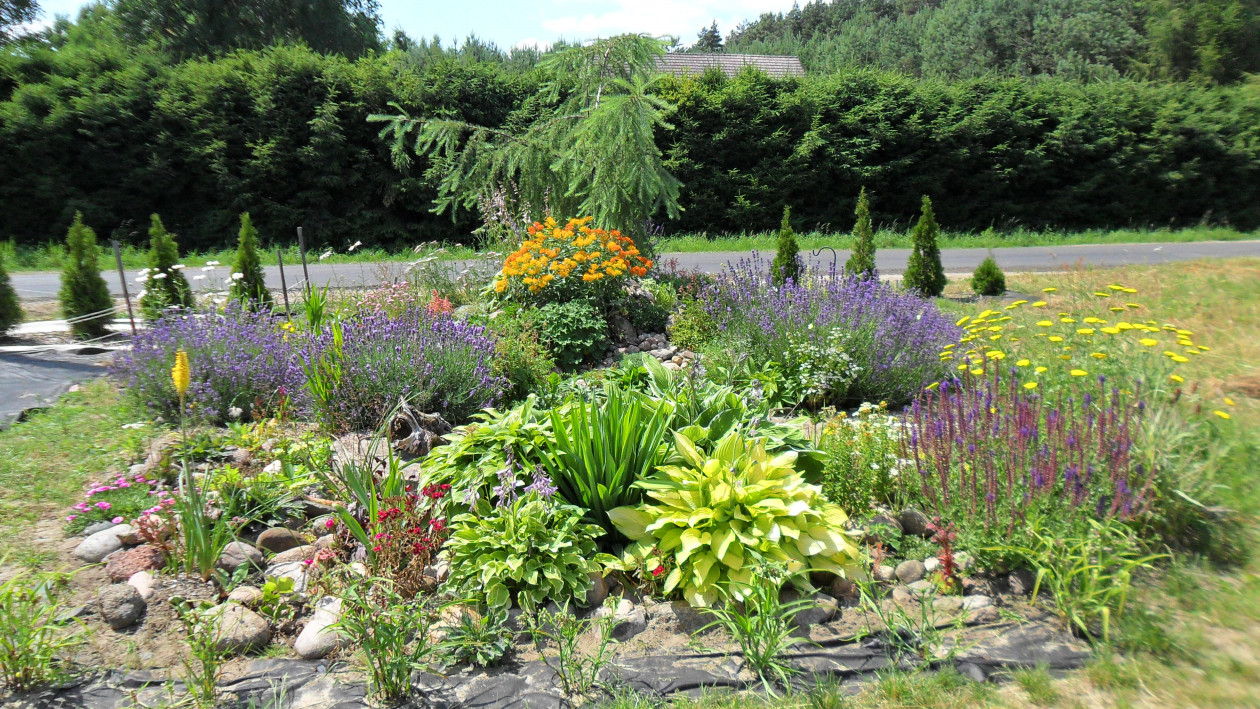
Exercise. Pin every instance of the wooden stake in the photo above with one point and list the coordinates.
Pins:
(284, 287)
(302, 250)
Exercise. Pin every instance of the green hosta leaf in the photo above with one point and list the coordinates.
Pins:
(630, 521)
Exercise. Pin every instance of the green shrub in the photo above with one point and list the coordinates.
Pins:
(862, 459)
(166, 286)
(647, 316)
(717, 517)
(665, 294)
(10, 310)
(83, 291)
(988, 279)
(519, 354)
(530, 550)
(693, 327)
(598, 450)
(481, 639)
(251, 285)
(861, 263)
(924, 273)
(787, 259)
(575, 332)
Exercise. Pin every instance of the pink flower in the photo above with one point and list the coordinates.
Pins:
(103, 505)
(71, 518)
(330, 523)
(116, 520)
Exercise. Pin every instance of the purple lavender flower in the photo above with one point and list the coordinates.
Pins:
(541, 484)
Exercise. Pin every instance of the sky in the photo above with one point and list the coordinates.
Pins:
(540, 22)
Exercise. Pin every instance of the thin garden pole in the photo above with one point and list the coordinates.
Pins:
(284, 287)
(122, 276)
(302, 250)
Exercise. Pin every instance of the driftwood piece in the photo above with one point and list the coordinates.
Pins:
(415, 433)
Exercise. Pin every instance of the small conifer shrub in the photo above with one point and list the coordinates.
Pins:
(10, 310)
(166, 287)
(924, 273)
(861, 263)
(787, 261)
(988, 279)
(248, 283)
(85, 299)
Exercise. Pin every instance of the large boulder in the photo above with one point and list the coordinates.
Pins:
(316, 640)
(302, 553)
(628, 619)
(238, 554)
(100, 545)
(914, 522)
(120, 605)
(910, 571)
(295, 570)
(124, 564)
(238, 629)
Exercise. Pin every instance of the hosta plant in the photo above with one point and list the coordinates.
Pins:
(529, 550)
(718, 516)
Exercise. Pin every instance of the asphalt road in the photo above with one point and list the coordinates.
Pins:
(44, 285)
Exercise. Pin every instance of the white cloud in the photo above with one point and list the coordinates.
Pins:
(679, 18)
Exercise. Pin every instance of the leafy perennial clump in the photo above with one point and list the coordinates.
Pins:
(558, 263)
(719, 516)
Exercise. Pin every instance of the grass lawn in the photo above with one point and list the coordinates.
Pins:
(1194, 642)
(47, 257)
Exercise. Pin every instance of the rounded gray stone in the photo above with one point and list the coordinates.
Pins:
(238, 554)
(910, 571)
(121, 605)
(914, 522)
(316, 640)
(239, 630)
(100, 545)
(278, 539)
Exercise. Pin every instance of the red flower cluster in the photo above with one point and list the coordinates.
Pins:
(435, 492)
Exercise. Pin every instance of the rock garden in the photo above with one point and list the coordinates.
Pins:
(593, 477)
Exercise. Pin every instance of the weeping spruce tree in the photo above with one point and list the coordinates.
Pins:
(83, 290)
(592, 152)
(861, 263)
(924, 273)
(171, 289)
(251, 287)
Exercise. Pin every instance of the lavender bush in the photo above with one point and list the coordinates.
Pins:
(843, 340)
(243, 363)
(991, 454)
(369, 361)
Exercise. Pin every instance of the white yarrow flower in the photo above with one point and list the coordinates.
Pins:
(212, 263)
(141, 278)
(237, 276)
(355, 245)
(325, 255)
(178, 266)
(159, 276)
(235, 412)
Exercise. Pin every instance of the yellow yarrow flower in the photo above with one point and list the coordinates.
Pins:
(1079, 373)
(1177, 378)
(1148, 342)
(1039, 304)
(1030, 385)
(1022, 363)
(1049, 290)
(1223, 415)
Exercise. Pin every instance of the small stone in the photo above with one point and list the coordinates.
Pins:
(884, 573)
(273, 467)
(1021, 581)
(317, 511)
(598, 591)
(678, 615)
(981, 616)
(972, 671)
(239, 630)
(914, 522)
(70, 614)
(246, 595)
(302, 553)
(628, 619)
(840, 587)
(316, 640)
(824, 609)
(295, 570)
(144, 583)
(882, 528)
(963, 561)
(326, 542)
(278, 539)
(100, 545)
(241, 457)
(358, 568)
(121, 565)
(947, 604)
(238, 554)
(902, 596)
(910, 571)
(922, 588)
(120, 605)
(95, 527)
(972, 603)
(632, 350)
(931, 564)
(671, 366)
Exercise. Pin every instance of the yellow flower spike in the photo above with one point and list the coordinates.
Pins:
(1176, 378)
(1041, 370)
(1017, 303)
(1049, 290)
(1079, 373)
(1184, 333)
(1039, 304)
(1030, 385)
(1022, 363)
(1223, 415)
(181, 375)
(1229, 401)
(1045, 323)
(1098, 355)
(1148, 342)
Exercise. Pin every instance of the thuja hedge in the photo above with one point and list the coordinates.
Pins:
(281, 133)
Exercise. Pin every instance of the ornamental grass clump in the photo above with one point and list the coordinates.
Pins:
(244, 364)
(841, 341)
(991, 454)
(365, 364)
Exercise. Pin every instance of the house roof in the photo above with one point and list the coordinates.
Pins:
(731, 64)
